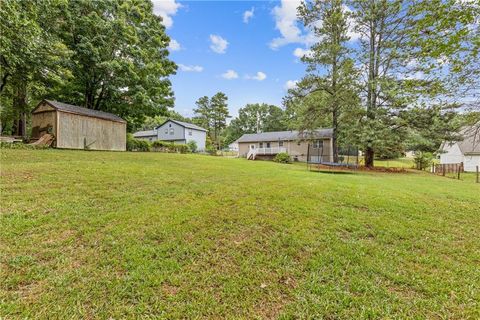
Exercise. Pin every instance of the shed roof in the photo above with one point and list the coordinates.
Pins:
(286, 135)
(65, 107)
(184, 124)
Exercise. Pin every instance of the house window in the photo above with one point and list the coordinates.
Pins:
(268, 144)
(317, 144)
(171, 131)
(150, 139)
(280, 143)
(170, 125)
(261, 145)
(189, 132)
(166, 130)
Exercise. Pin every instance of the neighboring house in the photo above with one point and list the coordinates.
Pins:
(176, 131)
(233, 146)
(466, 151)
(75, 127)
(267, 144)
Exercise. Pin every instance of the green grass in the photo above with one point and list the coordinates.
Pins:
(149, 235)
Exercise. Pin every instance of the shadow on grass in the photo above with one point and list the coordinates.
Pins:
(332, 172)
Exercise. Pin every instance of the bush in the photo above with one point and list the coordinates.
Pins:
(169, 147)
(211, 150)
(192, 146)
(423, 160)
(136, 144)
(282, 157)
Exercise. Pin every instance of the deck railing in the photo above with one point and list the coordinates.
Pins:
(272, 150)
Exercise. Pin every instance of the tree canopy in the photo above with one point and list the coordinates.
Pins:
(104, 55)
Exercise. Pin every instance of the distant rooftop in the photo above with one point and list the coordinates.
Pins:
(184, 124)
(471, 140)
(286, 135)
(146, 133)
(65, 107)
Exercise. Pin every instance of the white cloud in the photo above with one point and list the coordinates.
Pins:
(174, 45)
(219, 45)
(286, 22)
(260, 76)
(300, 52)
(230, 74)
(166, 9)
(354, 35)
(247, 15)
(192, 68)
(290, 84)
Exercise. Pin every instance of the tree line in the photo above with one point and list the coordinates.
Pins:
(401, 85)
(108, 55)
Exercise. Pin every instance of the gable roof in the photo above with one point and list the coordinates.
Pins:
(69, 108)
(285, 135)
(471, 140)
(183, 124)
(146, 133)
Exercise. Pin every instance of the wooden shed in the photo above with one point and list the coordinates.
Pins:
(75, 127)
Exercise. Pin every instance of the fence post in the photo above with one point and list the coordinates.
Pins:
(459, 169)
(443, 169)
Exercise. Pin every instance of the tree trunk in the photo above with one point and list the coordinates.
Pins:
(369, 154)
(20, 108)
(334, 136)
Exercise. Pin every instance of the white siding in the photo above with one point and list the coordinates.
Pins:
(451, 154)
(471, 162)
(198, 136)
(165, 132)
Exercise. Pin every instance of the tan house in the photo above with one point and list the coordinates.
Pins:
(266, 145)
(75, 127)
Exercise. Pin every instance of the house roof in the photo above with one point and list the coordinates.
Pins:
(184, 124)
(285, 135)
(64, 107)
(471, 140)
(146, 133)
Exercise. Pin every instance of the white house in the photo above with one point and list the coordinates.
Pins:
(176, 131)
(233, 146)
(466, 151)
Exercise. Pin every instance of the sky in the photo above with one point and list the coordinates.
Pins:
(250, 50)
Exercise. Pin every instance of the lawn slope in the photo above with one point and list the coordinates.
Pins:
(130, 235)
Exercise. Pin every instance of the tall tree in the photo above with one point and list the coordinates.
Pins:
(384, 28)
(31, 56)
(212, 114)
(219, 116)
(120, 59)
(256, 118)
(203, 113)
(327, 91)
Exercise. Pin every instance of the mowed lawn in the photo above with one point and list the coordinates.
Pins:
(98, 235)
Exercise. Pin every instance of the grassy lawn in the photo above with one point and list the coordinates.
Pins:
(149, 235)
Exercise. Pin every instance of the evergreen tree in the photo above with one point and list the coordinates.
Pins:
(328, 90)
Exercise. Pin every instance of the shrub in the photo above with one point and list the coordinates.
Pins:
(169, 147)
(211, 150)
(423, 160)
(192, 146)
(282, 157)
(136, 144)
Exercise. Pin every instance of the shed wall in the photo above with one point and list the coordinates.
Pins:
(77, 131)
(42, 121)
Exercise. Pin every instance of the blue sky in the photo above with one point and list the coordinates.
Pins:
(242, 48)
